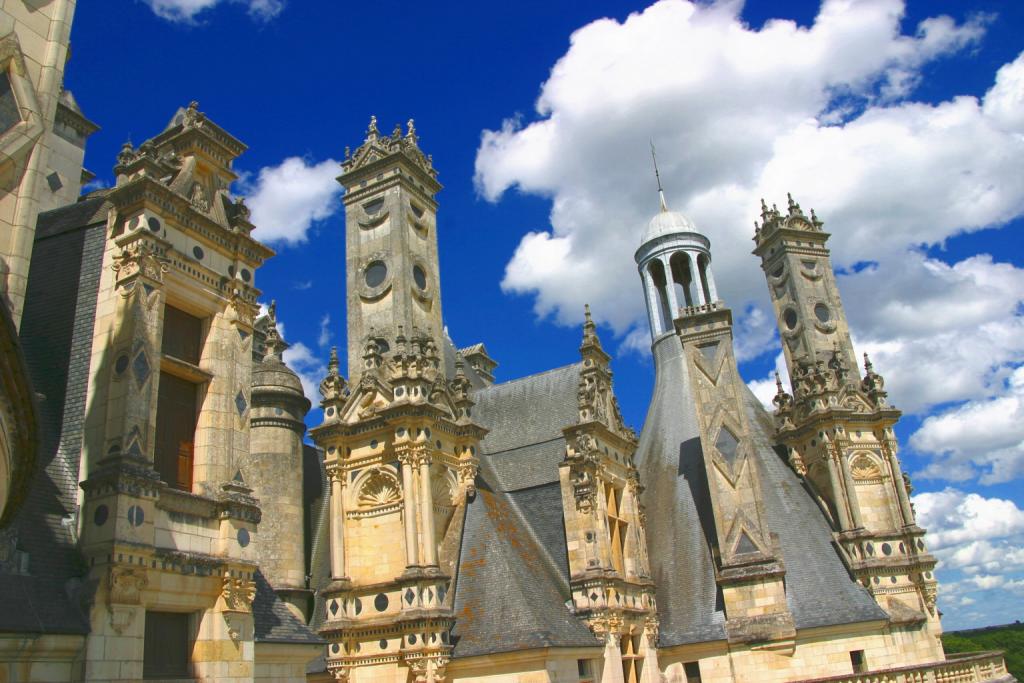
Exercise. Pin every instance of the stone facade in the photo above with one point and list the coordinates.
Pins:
(446, 528)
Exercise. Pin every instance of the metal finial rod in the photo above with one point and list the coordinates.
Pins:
(657, 176)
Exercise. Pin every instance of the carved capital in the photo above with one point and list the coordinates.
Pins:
(237, 593)
(140, 258)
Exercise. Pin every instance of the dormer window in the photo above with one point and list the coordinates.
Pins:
(179, 397)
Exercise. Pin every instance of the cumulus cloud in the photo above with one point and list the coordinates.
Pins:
(738, 113)
(308, 366)
(827, 111)
(186, 11)
(324, 338)
(954, 517)
(985, 435)
(288, 198)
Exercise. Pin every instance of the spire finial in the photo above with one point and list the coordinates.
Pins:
(657, 176)
(778, 382)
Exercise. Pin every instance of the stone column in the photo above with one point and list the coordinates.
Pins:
(337, 524)
(409, 511)
(901, 490)
(670, 291)
(649, 643)
(651, 299)
(696, 281)
(851, 494)
(837, 492)
(711, 282)
(427, 513)
(612, 670)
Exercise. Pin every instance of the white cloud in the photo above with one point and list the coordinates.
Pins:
(287, 199)
(324, 338)
(308, 367)
(186, 11)
(953, 517)
(740, 112)
(986, 435)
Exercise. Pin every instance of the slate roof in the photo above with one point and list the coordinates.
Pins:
(525, 418)
(680, 522)
(56, 334)
(512, 587)
(274, 621)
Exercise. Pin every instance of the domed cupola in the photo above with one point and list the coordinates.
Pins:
(273, 382)
(674, 260)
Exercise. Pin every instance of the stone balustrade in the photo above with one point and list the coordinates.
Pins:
(975, 667)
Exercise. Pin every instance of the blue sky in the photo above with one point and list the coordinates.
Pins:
(903, 126)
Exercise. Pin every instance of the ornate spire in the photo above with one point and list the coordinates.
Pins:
(371, 131)
(410, 134)
(275, 345)
(333, 385)
(657, 176)
(590, 338)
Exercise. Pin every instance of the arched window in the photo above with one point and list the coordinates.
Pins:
(682, 276)
(702, 267)
(663, 315)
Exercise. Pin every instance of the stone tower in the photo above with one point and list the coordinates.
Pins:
(399, 442)
(274, 468)
(167, 522)
(674, 260)
(838, 427)
(604, 524)
(390, 243)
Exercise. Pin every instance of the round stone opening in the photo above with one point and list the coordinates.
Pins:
(790, 318)
(375, 274)
(419, 276)
(824, 315)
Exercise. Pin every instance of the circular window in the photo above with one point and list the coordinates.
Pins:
(382, 345)
(790, 318)
(373, 444)
(375, 273)
(419, 276)
(412, 638)
(246, 275)
(824, 315)
(136, 516)
(357, 606)
(380, 603)
(243, 537)
(335, 648)
(198, 252)
(154, 224)
(383, 644)
(121, 364)
(886, 549)
(100, 514)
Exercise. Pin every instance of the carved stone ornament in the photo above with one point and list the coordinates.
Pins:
(193, 118)
(198, 198)
(124, 594)
(126, 585)
(140, 258)
(238, 593)
(380, 488)
(864, 467)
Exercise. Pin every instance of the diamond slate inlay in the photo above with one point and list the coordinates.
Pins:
(141, 368)
(727, 445)
(241, 403)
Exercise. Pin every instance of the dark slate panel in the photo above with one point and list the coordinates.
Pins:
(509, 595)
(525, 418)
(818, 586)
(274, 622)
(671, 465)
(56, 333)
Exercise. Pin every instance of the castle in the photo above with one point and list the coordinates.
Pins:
(163, 518)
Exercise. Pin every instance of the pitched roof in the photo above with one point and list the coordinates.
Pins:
(525, 418)
(512, 588)
(274, 622)
(511, 591)
(819, 589)
(56, 334)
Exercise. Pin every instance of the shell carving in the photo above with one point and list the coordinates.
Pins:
(380, 488)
